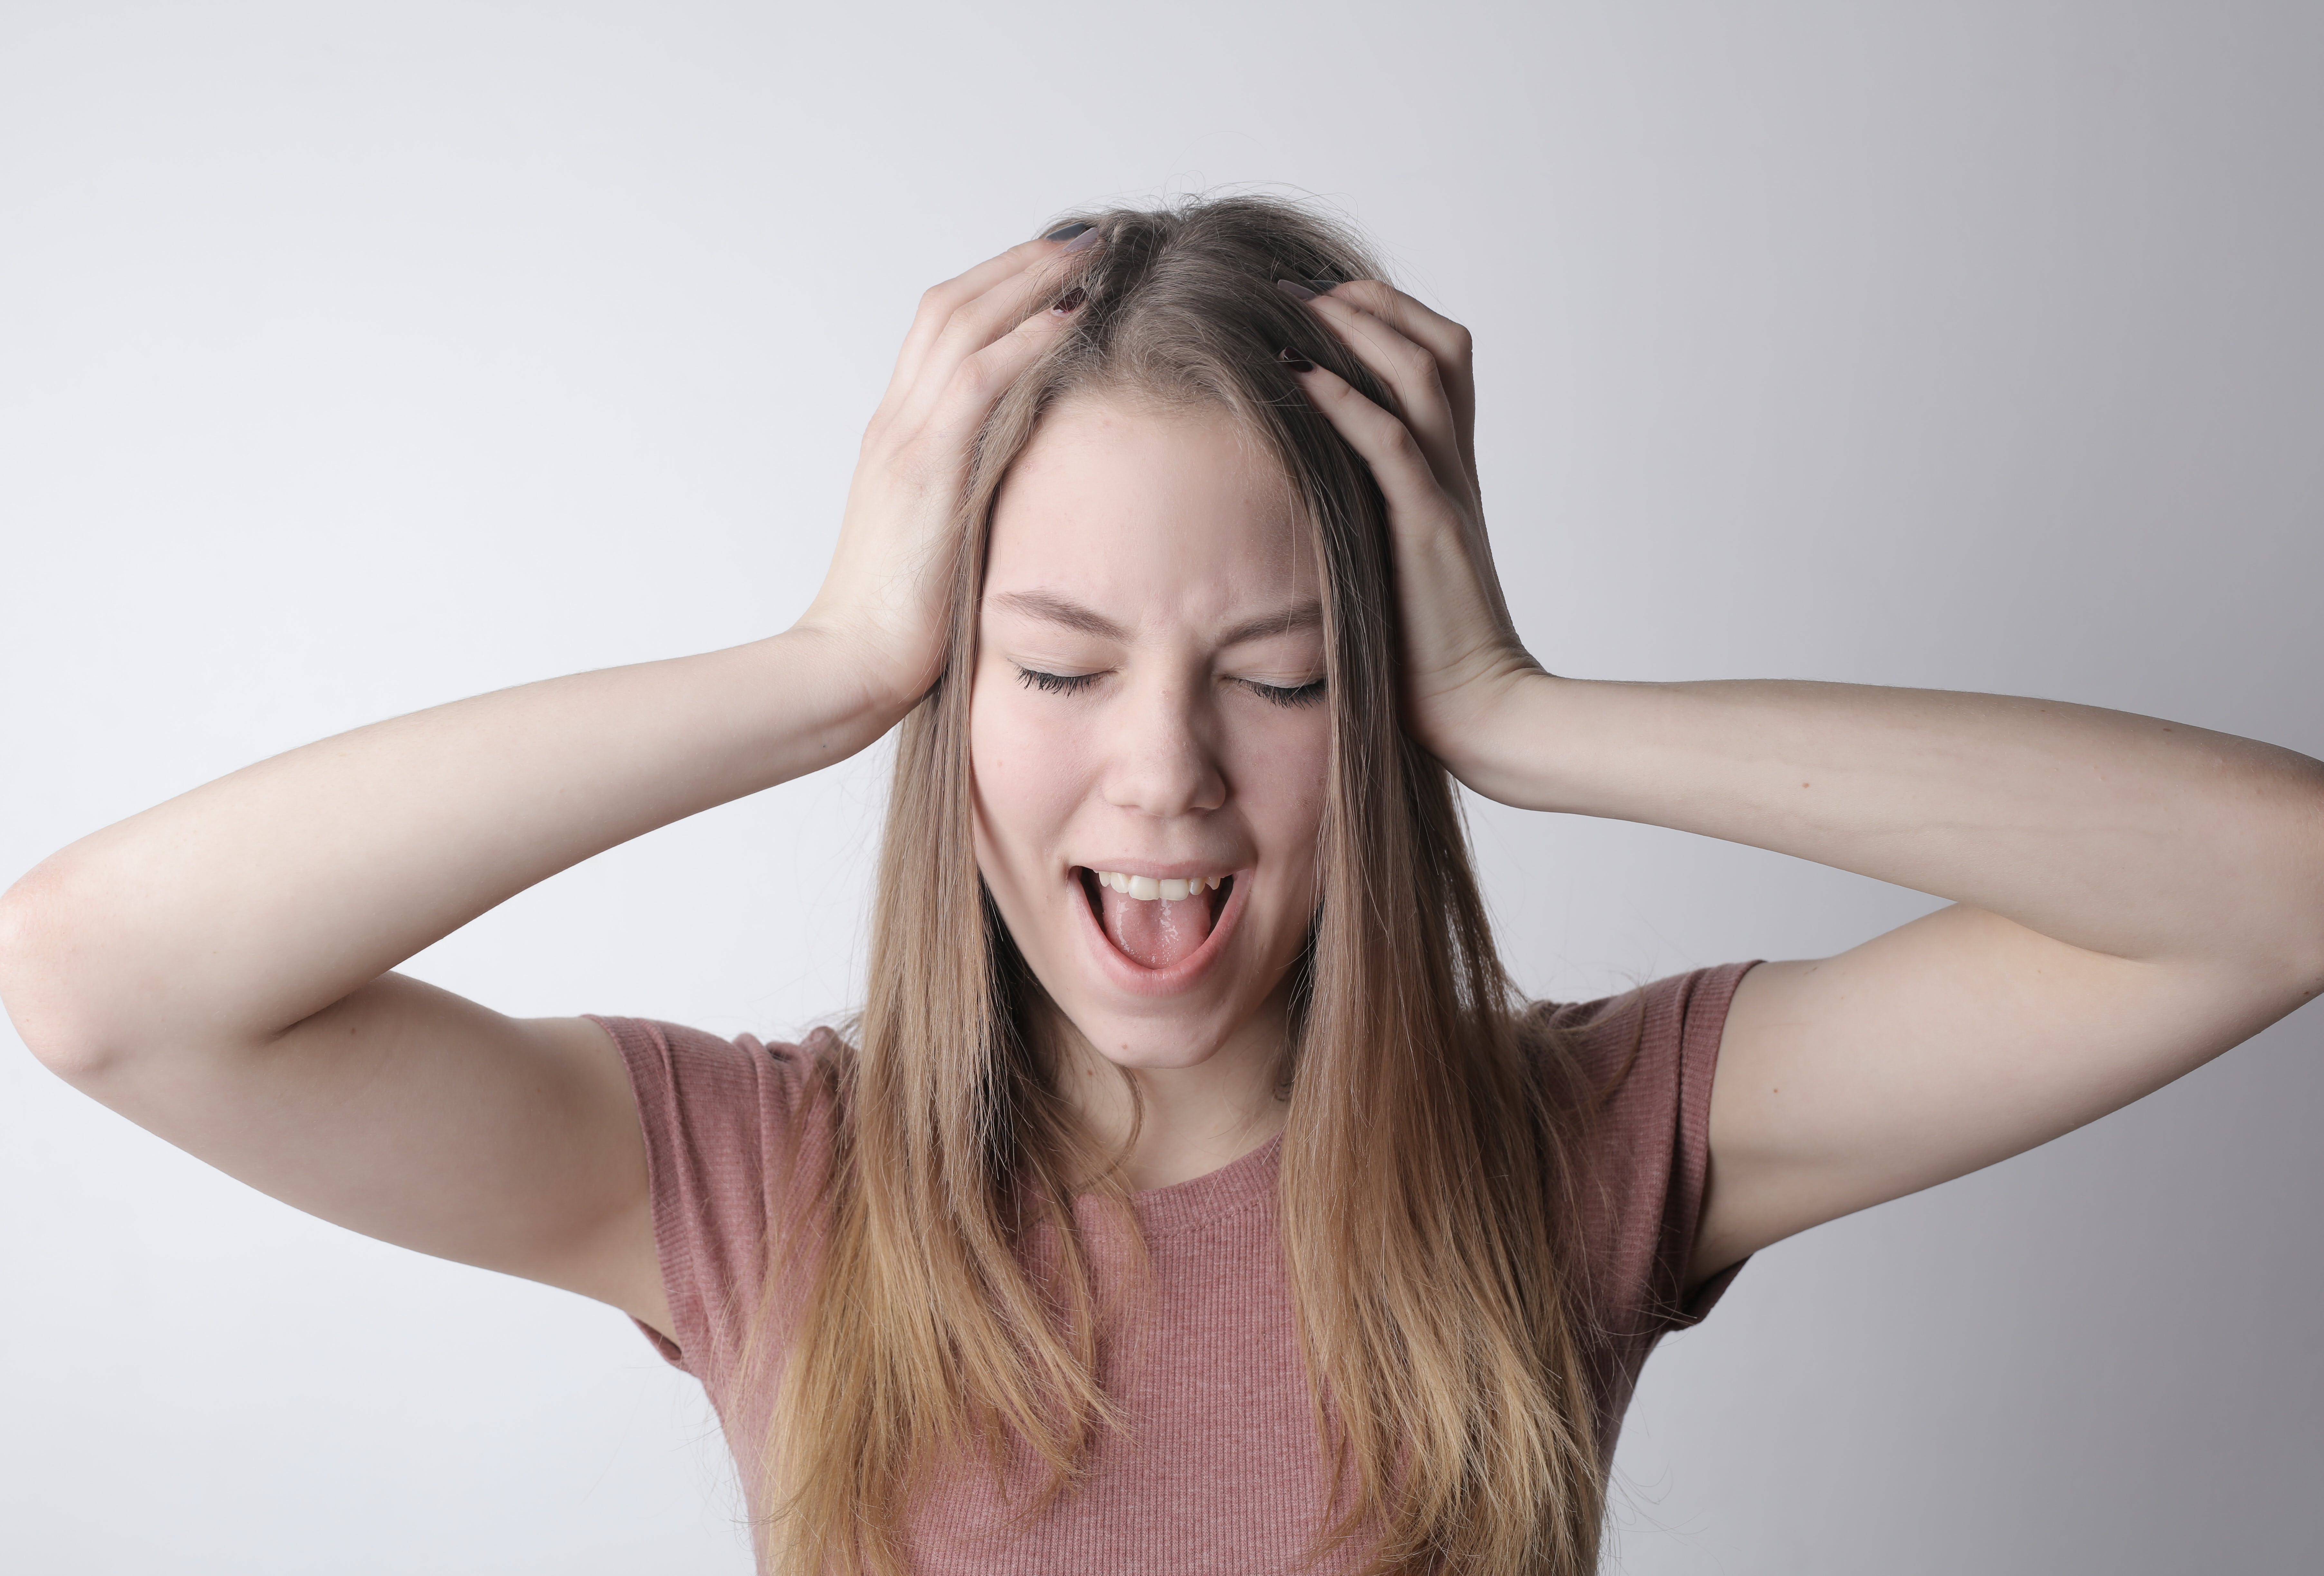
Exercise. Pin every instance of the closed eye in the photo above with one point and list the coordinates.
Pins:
(1287, 695)
(1055, 683)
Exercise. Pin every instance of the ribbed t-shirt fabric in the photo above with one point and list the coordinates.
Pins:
(1218, 1468)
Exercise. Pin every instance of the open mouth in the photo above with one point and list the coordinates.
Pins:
(1153, 921)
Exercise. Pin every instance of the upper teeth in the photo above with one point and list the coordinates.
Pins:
(1147, 888)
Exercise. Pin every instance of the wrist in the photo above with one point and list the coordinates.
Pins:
(1491, 734)
(862, 687)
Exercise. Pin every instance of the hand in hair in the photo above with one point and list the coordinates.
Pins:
(2128, 897)
(1460, 648)
(219, 969)
(884, 596)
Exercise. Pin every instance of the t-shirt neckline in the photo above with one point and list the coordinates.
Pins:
(1204, 1198)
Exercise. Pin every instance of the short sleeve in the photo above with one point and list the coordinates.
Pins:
(729, 1125)
(1646, 1058)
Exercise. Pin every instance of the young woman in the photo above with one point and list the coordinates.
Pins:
(1191, 1193)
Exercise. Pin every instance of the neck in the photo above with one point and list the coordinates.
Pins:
(1188, 1121)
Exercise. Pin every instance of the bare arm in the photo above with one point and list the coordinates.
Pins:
(2131, 896)
(217, 967)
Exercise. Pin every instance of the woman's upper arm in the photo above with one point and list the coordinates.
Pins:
(1945, 1045)
(417, 1116)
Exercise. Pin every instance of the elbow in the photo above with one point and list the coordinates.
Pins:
(2308, 967)
(37, 985)
(2280, 928)
(2308, 949)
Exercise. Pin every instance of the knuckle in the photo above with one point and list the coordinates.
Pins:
(938, 300)
(921, 456)
(976, 379)
(1397, 440)
(1030, 330)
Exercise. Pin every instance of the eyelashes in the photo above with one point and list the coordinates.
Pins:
(1055, 683)
(1287, 695)
(1074, 683)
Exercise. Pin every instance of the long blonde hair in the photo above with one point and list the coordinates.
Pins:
(1425, 1203)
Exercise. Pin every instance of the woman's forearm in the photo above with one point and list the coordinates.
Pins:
(2117, 833)
(232, 912)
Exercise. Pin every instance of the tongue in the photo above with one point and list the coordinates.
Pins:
(1156, 934)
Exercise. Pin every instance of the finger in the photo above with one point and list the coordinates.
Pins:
(958, 409)
(1448, 341)
(940, 301)
(976, 323)
(1388, 446)
(1434, 535)
(1409, 370)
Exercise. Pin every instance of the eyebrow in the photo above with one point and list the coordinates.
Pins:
(1289, 620)
(1051, 608)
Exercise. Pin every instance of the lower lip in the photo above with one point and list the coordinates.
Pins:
(1137, 978)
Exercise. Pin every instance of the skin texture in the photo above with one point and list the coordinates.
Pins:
(1166, 742)
(2129, 897)
(2132, 897)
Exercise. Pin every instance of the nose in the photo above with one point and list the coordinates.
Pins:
(1161, 758)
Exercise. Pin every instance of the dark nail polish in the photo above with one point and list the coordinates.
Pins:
(1295, 290)
(1084, 239)
(1065, 232)
(1323, 286)
(1296, 362)
(1071, 301)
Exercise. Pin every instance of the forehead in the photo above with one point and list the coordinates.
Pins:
(1147, 514)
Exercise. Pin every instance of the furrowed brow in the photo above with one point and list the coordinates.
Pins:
(1291, 620)
(1052, 608)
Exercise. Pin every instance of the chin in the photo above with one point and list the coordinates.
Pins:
(1148, 1043)
(1154, 1018)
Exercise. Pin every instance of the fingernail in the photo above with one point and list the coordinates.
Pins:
(1071, 301)
(1065, 232)
(1296, 362)
(1084, 239)
(1295, 290)
(1323, 286)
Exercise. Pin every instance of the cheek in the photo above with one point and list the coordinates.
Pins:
(1281, 783)
(1025, 769)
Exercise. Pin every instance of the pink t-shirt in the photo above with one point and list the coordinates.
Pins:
(1219, 1469)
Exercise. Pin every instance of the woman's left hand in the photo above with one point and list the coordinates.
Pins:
(1461, 651)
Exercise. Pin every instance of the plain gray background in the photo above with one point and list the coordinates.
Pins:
(357, 358)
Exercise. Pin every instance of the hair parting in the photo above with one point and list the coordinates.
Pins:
(1426, 1204)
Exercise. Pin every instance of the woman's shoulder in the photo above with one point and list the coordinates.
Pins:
(738, 1136)
(1635, 1044)
(702, 1094)
(685, 1046)
(1638, 1068)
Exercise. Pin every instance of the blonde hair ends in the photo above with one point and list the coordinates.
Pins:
(1426, 1204)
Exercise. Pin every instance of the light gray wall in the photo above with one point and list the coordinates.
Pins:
(356, 359)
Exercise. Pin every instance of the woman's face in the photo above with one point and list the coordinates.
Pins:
(1148, 711)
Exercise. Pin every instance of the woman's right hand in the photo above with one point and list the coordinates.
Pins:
(883, 599)
(218, 969)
